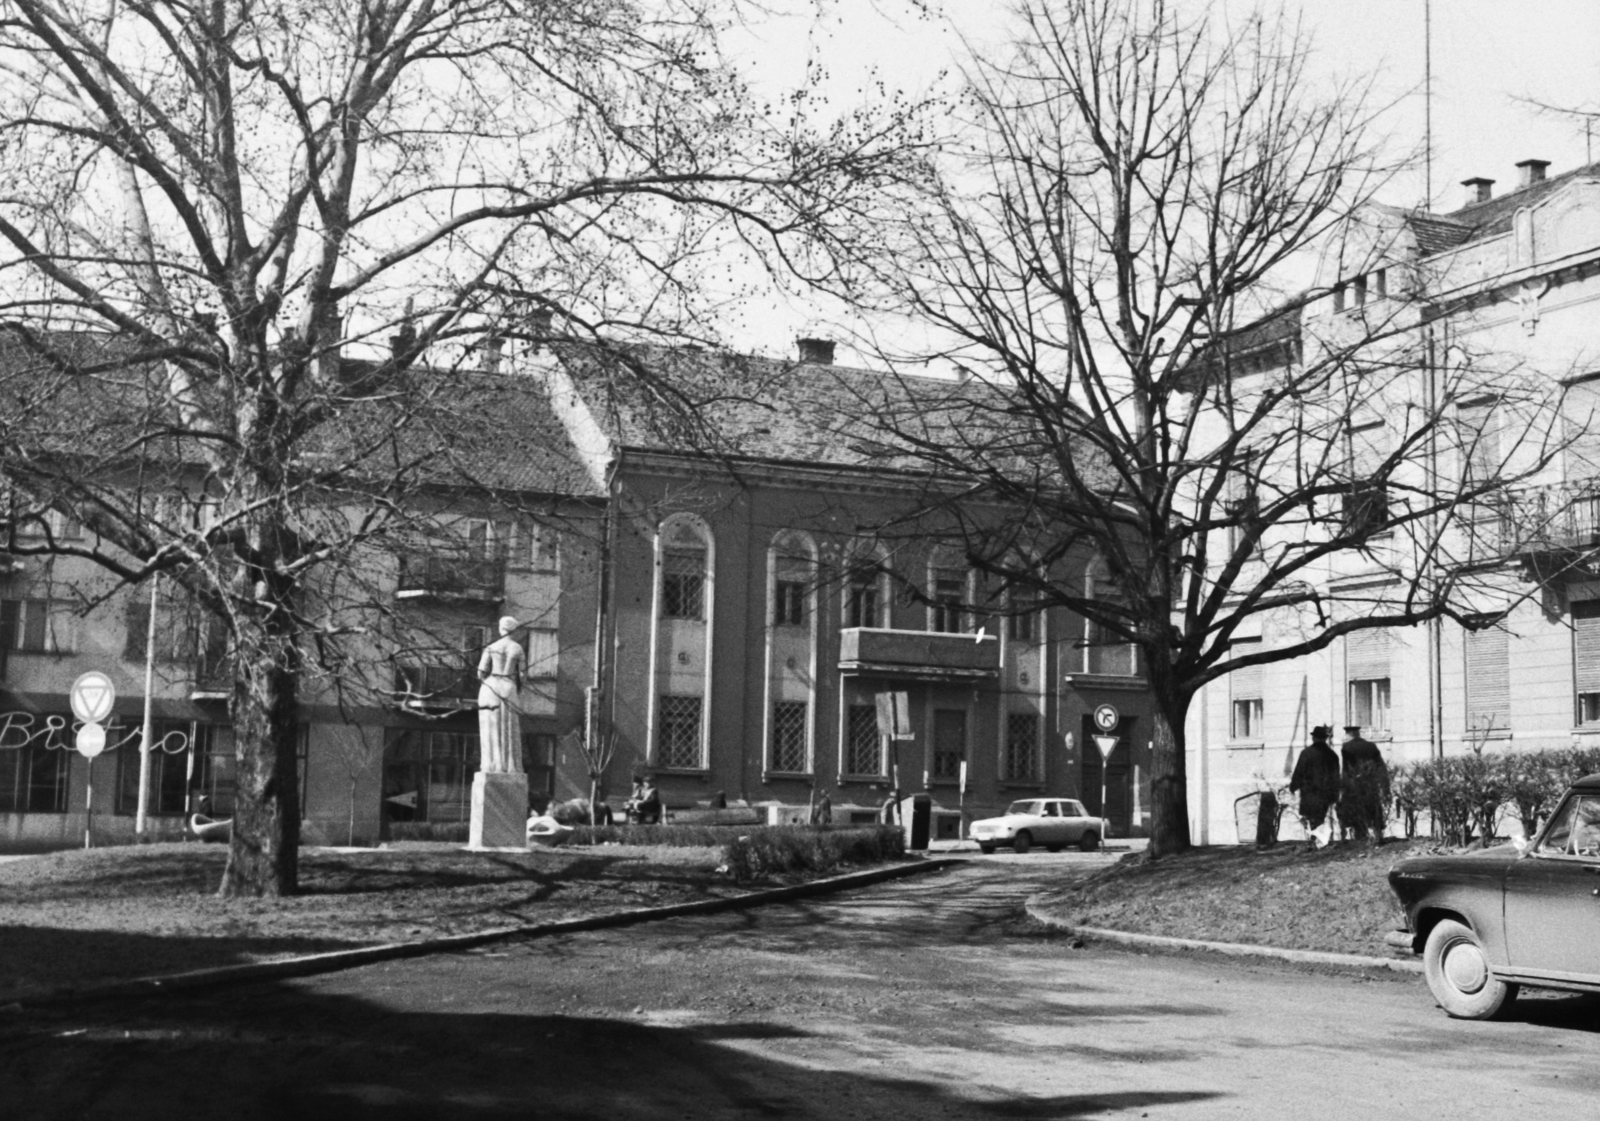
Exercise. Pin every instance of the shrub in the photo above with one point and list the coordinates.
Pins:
(675, 836)
(453, 831)
(778, 850)
(1468, 794)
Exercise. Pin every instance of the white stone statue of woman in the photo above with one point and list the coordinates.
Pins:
(499, 711)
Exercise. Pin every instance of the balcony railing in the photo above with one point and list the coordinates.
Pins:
(435, 687)
(924, 655)
(451, 577)
(1550, 528)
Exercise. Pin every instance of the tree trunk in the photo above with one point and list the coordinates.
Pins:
(1169, 793)
(264, 856)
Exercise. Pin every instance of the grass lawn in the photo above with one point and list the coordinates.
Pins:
(1334, 899)
(73, 918)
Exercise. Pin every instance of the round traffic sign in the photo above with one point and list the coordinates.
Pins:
(1106, 718)
(92, 697)
(91, 740)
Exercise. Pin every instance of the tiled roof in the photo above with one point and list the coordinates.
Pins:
(1491, 217)
(1434, 234)
(702, 403)
(84, 394)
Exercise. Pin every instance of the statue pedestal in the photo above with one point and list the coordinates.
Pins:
(499, 812)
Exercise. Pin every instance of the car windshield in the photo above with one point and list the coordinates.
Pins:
(1575, 828)
(1023, 808)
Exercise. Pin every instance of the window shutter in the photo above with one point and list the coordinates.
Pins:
(1367, 655)
(1489, 678)
(1586, 645)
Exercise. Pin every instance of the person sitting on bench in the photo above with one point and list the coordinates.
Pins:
(644, 808)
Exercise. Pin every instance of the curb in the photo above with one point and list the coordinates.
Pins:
(335, 960)
(1232, 949)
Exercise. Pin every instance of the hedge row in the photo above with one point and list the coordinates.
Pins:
(783, 849)
(1467, 795)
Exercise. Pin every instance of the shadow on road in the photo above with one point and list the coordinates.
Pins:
(278, 1051)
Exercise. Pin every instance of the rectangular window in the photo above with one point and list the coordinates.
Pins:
(63, 527)
(542, 552)
(788, 737)
(169, 770)
(29, 627)
(1488, 657)
(35, 753)
(949, 742)
(427, 775)
(788, 603)
(1024, 622)
(678, 731)
(1247, 714)
(947, 594)
(863, 749)
(1586, 658)
(543, 653)
(1369, 704)
(1107, 653)
(683, 583)
(1244, 687)
(1366, 503)
(1022, 747)
(539, 761)
(861, 605)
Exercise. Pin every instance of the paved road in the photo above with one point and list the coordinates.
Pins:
(927, 998)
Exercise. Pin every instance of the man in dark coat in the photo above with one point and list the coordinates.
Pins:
(1364, 794)
(1316, 779)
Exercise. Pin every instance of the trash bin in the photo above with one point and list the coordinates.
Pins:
(916, 815)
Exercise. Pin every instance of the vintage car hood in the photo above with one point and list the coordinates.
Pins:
(1006, 819)
(1416, 874)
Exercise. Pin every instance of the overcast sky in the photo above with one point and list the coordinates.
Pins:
(1489, 56)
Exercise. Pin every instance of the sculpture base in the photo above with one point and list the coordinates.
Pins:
(499, 812)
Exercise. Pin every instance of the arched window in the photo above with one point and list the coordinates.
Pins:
(791, 652)
(681, 644)
(685, 545)
(1103, 650)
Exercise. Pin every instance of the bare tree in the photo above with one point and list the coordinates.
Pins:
(1102, 264)
(598, 751)
(251, 246)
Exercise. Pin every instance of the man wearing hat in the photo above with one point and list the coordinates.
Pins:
(1364, 797)
(1316, 779)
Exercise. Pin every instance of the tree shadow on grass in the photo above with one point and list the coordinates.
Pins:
(36, 960)
(271, 1051)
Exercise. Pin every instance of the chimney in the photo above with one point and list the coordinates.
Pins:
(817, 351)
(1479, 190)
(539, 320)
(492, 347)
(1532, 172)
(405, 338)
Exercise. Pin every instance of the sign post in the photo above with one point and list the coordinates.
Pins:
(1106, 718)
(92, 698)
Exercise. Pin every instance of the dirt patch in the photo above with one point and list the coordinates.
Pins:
(1335, 899)
(83, 917)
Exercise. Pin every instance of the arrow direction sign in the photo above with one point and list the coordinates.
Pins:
(408, 799)
(92, 697)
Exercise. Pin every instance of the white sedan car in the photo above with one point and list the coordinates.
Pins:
(1051, 822)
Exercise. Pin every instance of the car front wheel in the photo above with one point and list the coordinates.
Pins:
(1459, 974)
(1089, 841)
(1022, 842)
